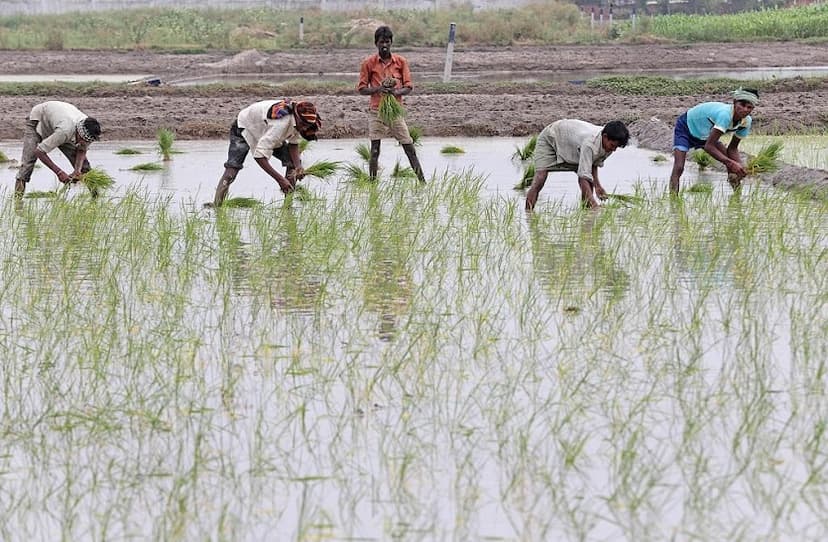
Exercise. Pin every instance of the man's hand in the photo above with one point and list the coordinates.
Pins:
(63, 177)
(600, 192)
(736, 168)
(531, 199)
(300, 173)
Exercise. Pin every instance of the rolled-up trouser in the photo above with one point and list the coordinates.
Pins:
(238, 149)
(31, 139)
(377, 129)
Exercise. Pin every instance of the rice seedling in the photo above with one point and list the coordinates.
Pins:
(526, 179)
(40, 194)
(301, 193)
(3, 157)
(527, 151)
(364, 151)
(357, 174)
(322, 169)
(452, 149)
(97, 180)
(766, 160)
(700, 188)
(626, 198)
(701, 158)
(165, 139)
(416, 134)
(303, 145)
(390, 109)
(241, 203)
(127, 152)
(659, 158)
(147, 166)
(402, 172)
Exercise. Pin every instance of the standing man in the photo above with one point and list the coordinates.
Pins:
(269, 128)
(575, 145)
(54, 125)
(703, 125)
(386, 73)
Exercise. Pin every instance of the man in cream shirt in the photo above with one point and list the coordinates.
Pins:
(575, 145)
(269, 128)
(56, 125)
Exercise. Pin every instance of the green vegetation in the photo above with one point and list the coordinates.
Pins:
(452, 149)
(766, 160)
(165, 138)
(3, 157)
(632, 85)
(416, 133)
(527, 177)
(97, 180)
(363, 151)
(701, 158)
(322, 169)
(147, 166)
(127, 152)
(240, 203)
(527, 151)
(390, 109)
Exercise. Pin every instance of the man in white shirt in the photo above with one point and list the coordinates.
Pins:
(264, 128)
(56, 125)
(575, 145)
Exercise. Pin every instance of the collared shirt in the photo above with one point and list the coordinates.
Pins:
(374, 70)
(56, 124)
(702, 118)
(578, 142)
(265, 135)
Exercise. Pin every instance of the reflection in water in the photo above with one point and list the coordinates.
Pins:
(576, 265)
(388, 281)
(282, 272)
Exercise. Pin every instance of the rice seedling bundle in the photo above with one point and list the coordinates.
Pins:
(3, 157)
(701, 158)
(390, 109)
(527, 151)
(37, 194)
(322, 169)
(241, 203)
(165, 142)
(416, 134)
(127, 152)
(451, 149)
(363, 151)
(627, 198)
(356, 174)
(526, 180)
(147, 166)
(766, 160)
(97, 180)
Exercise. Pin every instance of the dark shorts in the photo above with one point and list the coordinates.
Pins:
(239, 148)
(682, 139)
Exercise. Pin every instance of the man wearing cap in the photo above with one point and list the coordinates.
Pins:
(269, 128)
(380, 74)
(579, 146)
(703, 125)
(54, 125)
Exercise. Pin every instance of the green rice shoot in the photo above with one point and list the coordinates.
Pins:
(416, 134)
(3, 157)
(390, 109)
(701, 158)
(452, 149)
(165, 138)
(527, 151)
(766, 160)
(241, 203)
(322, 169)
(700, 188)
(127, 152)
(303, 144)
(363, 151)
(357, 174)
(147, 166)
(40, 194)
(402, 172)
(626, 198)
(528, 176)
(659, 158)
(97, 180)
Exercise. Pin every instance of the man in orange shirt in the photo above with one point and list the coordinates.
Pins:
(385, 73)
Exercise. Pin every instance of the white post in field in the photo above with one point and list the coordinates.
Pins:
(449, 53)
(302, 29)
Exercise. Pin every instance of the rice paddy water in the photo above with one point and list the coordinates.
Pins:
(405, 361)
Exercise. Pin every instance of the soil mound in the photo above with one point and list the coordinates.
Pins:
(246, 61)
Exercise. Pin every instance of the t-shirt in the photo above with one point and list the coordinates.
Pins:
(374, 70)
(264, 135)
(702, 118)
(578, 142)
(56, 124)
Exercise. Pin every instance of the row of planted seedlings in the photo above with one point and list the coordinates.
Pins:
(400, 359)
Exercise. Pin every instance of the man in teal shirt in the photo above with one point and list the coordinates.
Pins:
(702, 126)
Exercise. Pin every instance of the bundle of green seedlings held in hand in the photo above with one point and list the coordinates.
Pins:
(97, 180)
(766, 160)
(390, 109)
(322, 169)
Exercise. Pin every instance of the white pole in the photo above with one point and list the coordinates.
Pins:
(301, 29)
(449, 53)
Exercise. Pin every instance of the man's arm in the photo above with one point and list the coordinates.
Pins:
(714, 148)
(599, 189)
(58, 138)
(43, 157)
(264, 163)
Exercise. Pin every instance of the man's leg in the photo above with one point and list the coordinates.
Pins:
(236, 153)
(679, 158)
(31, 139)
(411, 153)
(373, 162)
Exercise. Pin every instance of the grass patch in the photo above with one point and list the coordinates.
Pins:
(702, 159)
(700, 188)
(41, 194)
(241, 203)
(452, 149)
(127, 152)
(147, 166)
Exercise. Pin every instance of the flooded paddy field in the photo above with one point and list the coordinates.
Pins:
(395, 361)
